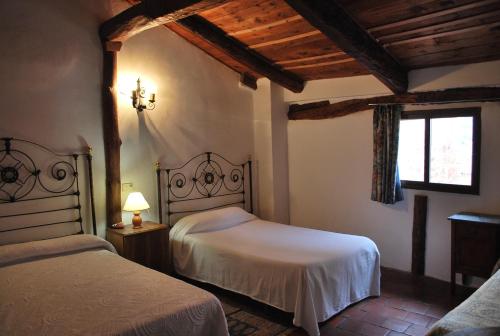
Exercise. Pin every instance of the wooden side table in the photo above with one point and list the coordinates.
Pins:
(475, 244)
(147, 246)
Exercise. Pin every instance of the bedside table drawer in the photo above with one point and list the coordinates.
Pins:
(477, 248)
(145, 249)
(475, 244)
(147, 246)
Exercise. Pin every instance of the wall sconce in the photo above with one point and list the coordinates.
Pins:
(138, 96)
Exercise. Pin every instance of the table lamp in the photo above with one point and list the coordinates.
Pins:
(135, 202)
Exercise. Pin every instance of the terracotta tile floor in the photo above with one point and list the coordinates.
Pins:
(408, 305)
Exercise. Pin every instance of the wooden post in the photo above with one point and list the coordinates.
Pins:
(111, 134)
(453, 273)
(251, 184)
(91, 184)
(419, 235)
(158, 185)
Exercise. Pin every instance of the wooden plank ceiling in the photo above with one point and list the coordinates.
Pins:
(427, 33)
(416, 33)
(280, 34)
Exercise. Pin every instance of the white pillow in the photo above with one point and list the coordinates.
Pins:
(215, 220)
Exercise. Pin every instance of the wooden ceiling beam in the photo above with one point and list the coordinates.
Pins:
(208, 48)
(239, 51)
(151, 13)
(325, 110)
(248, 81)
(333, 21)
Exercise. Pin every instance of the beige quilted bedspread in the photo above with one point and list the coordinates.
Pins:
(480, 310)
(93, 291)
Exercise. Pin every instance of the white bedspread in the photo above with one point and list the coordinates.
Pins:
(77, 286)
(314, 274)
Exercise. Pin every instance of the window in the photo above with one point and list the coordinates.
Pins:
(440, 150)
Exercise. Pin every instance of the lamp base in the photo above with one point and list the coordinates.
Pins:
(137, 220)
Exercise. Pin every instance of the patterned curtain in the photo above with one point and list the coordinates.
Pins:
(386, 186)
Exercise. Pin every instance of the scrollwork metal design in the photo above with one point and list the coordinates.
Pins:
(207, 175)
(9, 175)
(236, 178)
(39, 175)
(17, 174)
(208, 178)
(62, 174)
(180, 182)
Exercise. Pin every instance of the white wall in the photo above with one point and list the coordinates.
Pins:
(263, 154)
(271, 152)
(50, 77)
(279, 120)
(200, 107)
(330, 164)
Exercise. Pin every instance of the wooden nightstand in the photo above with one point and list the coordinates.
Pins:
(475, 244)
(147, 246)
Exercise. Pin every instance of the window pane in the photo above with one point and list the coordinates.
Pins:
(411, 149)
(451, 150)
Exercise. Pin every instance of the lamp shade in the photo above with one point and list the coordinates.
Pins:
(135, 202)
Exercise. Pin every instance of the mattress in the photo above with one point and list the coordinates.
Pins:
(480, 310)
(77, 285)
(311, 273)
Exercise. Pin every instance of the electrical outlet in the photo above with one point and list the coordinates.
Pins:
(127, 187)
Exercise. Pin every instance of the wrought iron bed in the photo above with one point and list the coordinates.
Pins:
(31, 174)
(206, 176)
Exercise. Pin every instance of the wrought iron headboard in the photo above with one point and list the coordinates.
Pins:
(22, 179)
(204, 176)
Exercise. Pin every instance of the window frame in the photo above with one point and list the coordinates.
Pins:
(427, 115)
